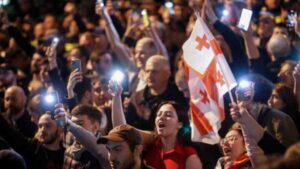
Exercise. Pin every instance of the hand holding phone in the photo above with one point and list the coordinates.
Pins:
(245, 19)
(76, 64)
(145, 17)
(49, 100)
(291, 19)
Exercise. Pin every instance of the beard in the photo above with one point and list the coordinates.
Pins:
(129, 163)
(13, 110)
(51, 138)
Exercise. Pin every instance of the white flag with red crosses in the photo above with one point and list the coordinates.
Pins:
(209, 78)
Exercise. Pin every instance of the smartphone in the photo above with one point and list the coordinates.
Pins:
(245, 19)
(100, 2)
(245, 91)
(170, 6)
(49, 100)
(76, 64)
(290, 18)
(54, 42)
(145, 17)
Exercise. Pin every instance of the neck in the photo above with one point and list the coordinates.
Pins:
(169, 142)
(158, 90)
(53, 146)
(138, 164)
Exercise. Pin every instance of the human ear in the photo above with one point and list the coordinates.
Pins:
(180, 125)
(138, 150)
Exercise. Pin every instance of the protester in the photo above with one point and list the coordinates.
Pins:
(125, 147)
(141, 110)
(171, 123)
(15, 108)
(144, 41)
(77, 156)
(284, 99)
(42, 152)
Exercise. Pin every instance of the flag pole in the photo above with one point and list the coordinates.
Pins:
(202, 16)
(226, 80)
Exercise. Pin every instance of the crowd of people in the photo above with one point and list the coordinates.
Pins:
(140, 119)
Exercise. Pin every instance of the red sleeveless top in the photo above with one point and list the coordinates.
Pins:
(172, 159)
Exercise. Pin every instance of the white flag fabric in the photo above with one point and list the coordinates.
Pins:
(209, 78)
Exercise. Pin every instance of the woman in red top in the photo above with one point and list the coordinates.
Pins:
(164, 148)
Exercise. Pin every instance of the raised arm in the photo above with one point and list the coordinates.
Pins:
(118, 47)
(118, 116)
(251, 49)
(159, 44)
(86, 138)
(254, 134)
(296, 75)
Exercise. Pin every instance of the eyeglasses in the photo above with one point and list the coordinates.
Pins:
(230, 139)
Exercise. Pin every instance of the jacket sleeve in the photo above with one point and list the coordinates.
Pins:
(270, 145)
(89, 141)
(235, 44)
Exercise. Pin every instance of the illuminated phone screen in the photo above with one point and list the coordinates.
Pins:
(245, 19)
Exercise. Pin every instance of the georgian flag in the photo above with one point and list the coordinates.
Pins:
(209, 78)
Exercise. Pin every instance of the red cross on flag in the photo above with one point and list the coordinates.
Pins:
(209, 78)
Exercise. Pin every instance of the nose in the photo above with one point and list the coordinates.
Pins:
(111, 157)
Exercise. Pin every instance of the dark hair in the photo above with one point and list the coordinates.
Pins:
(262, 87)
(91, 112)
(184, 134)
(83, 86)
(289, 98)
(11, 159)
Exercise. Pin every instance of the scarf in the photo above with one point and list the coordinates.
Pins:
(240, 161)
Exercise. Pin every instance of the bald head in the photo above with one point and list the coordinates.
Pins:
(157, 72)
(14, 100)
(144, 48)
(160, 61)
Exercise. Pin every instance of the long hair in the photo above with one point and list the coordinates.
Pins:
(184, 133)
(288, 97)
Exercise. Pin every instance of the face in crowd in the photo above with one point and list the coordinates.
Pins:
(157, 72)
(233, 145)
(120, 155)
(167, 122)
(265, 26)
(48, 131)
(14, 100)
(143, 50)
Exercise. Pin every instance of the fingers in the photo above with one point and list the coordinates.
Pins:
(296, 71)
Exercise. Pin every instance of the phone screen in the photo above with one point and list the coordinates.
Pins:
(76, 64)
(245, 19)
(290, 19)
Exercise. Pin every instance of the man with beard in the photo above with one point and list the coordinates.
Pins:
(124, 144)
(15, 111)
(43, 152)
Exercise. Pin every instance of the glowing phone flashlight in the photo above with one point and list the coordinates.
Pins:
(225, 13)
(100, 2)
(54, 42)
(118, 76)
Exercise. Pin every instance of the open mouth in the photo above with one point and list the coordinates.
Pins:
(161, 125)
(226, 151)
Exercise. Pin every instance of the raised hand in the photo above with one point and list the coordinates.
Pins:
(297, 25)
(75, 77)
(60, 117)
(115, 88)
